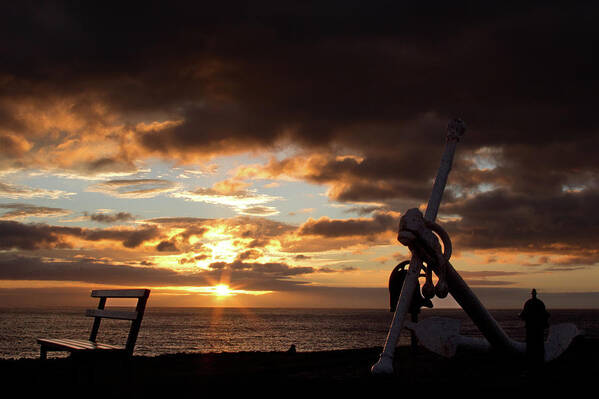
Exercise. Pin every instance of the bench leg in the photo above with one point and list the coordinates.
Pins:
(43, 353)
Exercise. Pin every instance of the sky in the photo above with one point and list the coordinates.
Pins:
(261, 153)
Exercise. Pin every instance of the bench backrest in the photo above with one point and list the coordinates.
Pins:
(135, 316)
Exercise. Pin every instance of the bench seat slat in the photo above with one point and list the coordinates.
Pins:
(137, 293)
(77, 345)
(112, 314)
(72, 344)
(92, 345)
(60, 343)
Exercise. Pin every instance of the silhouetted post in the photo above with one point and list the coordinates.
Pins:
(536, 318)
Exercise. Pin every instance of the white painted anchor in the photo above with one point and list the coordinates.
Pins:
(442, 335)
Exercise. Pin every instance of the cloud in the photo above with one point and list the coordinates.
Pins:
(26, 268)
(493, 283)
(13, 146)
(385, 84)
(364, 210)
(330, 270)
(380, 223)
(28, 237)
(108, 218)
(314, 235)
(193, 260)
(134, 188)
(374, 178)
(253, 276)
(16, 192)
(232, 193)
(355, 97)
(186, 221)
(250, 254)
(527, 222)
(302, 211)
(186, 236)
(246, 227)
(259, 211)
(130, 238)
(167, 246)
(22, 211)
(238, 83)
(488, 273)
(36, 236)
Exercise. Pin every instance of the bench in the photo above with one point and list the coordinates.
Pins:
(76, 346)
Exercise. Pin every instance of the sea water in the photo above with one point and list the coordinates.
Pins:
(174, 330)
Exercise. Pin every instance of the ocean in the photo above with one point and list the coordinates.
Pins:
(175, 330)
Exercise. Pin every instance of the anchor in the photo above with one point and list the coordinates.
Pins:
(420, 233)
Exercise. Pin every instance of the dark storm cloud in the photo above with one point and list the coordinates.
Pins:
(15, 235)
(379, 223)
(130, 238)
(378, 79)
(257, 276)
(374, 178)
(14, 267)
(237, 74)
(500, 219)
(29, 236)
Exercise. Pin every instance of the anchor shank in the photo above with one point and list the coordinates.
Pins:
(481, 317)
(440, 181)
(403, 305)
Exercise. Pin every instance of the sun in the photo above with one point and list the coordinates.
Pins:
(222, 290)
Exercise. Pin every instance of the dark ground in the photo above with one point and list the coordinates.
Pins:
(287, 374)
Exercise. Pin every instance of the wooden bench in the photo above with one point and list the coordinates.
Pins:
(91, 346)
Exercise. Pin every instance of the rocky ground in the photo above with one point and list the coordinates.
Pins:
(279, 373)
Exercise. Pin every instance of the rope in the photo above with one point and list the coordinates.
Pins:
(418, 234)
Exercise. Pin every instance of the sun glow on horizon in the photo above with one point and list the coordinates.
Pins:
(222, 290)
(219, 290)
